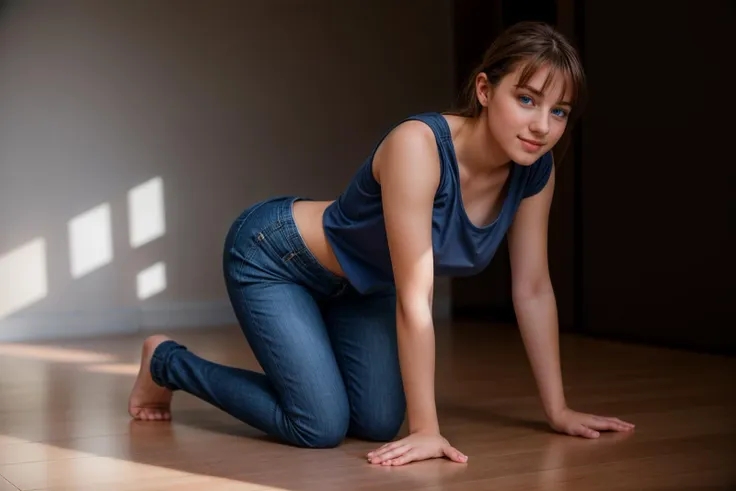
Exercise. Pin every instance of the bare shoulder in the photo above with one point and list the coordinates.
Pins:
(410, 145)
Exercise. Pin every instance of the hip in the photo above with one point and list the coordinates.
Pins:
(265, 243)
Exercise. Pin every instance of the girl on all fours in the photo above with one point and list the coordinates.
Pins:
(335, 297)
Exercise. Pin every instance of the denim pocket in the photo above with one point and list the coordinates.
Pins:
(249, 229)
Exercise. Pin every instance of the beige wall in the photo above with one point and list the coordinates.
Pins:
(226, 102)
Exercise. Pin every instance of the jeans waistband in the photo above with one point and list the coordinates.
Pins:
(300, 252)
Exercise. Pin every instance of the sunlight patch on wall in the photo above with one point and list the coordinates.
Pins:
(151, 281)
(90, 240)
(23, 277)
(146, 212)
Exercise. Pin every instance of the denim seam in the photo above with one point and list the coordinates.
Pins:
(247, 252)
(257, 332)
(257, 239)
(243, 219)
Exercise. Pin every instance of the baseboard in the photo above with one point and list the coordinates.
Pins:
(60, 325)
(80, 324)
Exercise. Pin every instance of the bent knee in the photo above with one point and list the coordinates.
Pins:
(381, 427)
(323, 432)
(327, 436)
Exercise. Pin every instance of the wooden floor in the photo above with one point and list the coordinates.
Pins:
(64, 425)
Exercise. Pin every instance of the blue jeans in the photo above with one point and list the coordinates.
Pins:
(329, 354)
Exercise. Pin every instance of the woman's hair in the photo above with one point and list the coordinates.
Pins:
(535, 44)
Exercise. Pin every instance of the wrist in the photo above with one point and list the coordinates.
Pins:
(425, 430)
(555, 413)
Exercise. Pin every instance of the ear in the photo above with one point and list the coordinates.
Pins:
(483, 89)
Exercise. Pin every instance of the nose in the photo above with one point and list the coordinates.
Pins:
(540, 124)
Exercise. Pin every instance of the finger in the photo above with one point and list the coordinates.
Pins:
(409, 456)
(455, 455)
(623, 422)
(389, 449)
(384, 448)
(373, 452)
(622, 425)
(614, 420)
(585, 432)
(608, 424)
(391, 454)
(603, 425)
(396, 452)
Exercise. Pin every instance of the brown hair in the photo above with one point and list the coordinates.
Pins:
(535, 44)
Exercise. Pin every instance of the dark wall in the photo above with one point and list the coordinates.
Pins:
(487, 296)
(641, 230)
(476, 24)
(658, 174)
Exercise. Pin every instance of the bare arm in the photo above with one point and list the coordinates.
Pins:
(536, 311)
(407, 166)
(533, 295)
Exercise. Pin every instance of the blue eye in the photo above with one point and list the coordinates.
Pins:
(525, 99)
(561, 113)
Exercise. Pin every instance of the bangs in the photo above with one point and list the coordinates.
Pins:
(560, 65)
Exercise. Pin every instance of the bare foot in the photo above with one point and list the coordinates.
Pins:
(148, 401)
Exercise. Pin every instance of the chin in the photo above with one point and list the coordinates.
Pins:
(526, 158)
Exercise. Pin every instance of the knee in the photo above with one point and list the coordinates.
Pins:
(322, 425)
(326, 431)
(379, 426)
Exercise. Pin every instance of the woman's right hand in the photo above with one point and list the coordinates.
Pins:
(407, 167)
(415, 447)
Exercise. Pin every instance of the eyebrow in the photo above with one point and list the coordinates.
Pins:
(539, 93)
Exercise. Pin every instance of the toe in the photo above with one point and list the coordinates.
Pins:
(150, 414)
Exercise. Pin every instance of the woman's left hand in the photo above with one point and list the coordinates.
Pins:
(586, 425)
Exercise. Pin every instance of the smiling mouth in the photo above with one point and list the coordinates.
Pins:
(539, 144)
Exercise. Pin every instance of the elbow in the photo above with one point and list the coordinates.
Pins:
(414, 311)
(534, 288)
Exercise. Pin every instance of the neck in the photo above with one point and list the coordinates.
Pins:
(478, 149)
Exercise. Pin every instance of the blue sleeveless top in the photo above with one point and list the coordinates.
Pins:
(356, 231)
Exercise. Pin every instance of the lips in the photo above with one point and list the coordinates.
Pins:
(533, 142)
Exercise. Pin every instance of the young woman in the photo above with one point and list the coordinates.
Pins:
(335, 297)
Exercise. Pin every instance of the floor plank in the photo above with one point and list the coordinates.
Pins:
(64, 425)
